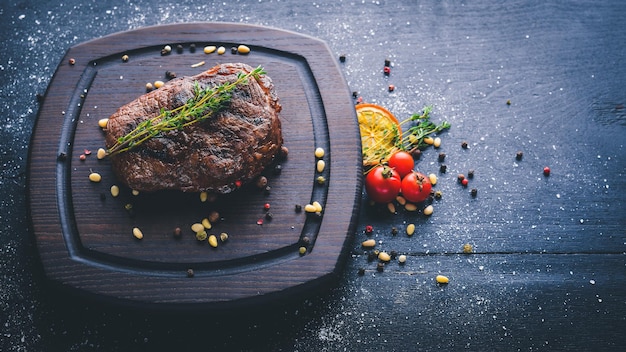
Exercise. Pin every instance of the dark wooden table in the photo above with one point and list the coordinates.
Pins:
(548, 268)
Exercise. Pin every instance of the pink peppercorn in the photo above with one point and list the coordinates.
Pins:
(546, 171)
(387, 70)
(369, 229)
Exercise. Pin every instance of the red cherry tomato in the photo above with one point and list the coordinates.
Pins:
(382, 184)
(402, 161)
(416, 187)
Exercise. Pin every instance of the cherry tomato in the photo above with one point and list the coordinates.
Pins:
(416, 187)
(382, 184)
(402, 161)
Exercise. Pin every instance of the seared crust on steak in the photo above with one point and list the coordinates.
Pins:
(230, 147)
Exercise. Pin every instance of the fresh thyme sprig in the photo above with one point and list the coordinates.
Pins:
(204, 104)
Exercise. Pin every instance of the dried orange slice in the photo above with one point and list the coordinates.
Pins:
(380, 133)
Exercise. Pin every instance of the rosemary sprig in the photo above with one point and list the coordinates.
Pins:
(204, 104)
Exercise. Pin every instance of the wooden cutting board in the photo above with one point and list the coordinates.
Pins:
(84, 234)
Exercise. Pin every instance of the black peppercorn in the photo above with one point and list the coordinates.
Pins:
(380, 267)
(342, 58)
(416, 153)
(464, 145)
(278, 169)
(233, 50)
(355, 94)
(442, 156)
(393, 254)
(443, 168)
(387, 62)
(192, 48)
(474, 192)
(361, 271)
(190, 273)
(394, 230)
(170, 74)
(269, 216)
(371, 256)
(62, 156)
(519, 155)
(470, 173)
(179, 48)
(298, 208)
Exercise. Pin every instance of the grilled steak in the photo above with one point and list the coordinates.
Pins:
(230, 147)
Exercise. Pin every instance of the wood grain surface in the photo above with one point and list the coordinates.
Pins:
(84, 235)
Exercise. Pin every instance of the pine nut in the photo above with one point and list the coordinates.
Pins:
(137, 233)
(428, 210)
(209, 49)
(207, 224)
(442, 279)
(384, 257)
(221, 50)
(197, 227)
(410, 207)
(213, 241)
(95, 177)
(101, 154)
(242, 49)
(321, 164)
(103, 123)
(433, 179)
(319, 153)
(371, 243)
(115, 191)
(410, 229)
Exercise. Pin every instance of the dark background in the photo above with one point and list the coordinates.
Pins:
(549, 267)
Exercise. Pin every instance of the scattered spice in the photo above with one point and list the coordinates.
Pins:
(474, 192)
(177, 232)
(386, 70)
(361, 271)
(179, 48)
(380, 267)
(391, 88)
(387, 63)
(298, 208)
(464, 182)
(442, 157)
(464, 145)
(519, 155)
(190, 273)
(72, 61)
(124, 58)
(546, 171)
(369, 229)
(342, 58)
(443, 168)
(467, 248)
(470, 173)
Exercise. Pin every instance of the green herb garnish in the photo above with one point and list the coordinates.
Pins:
(204, 104)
